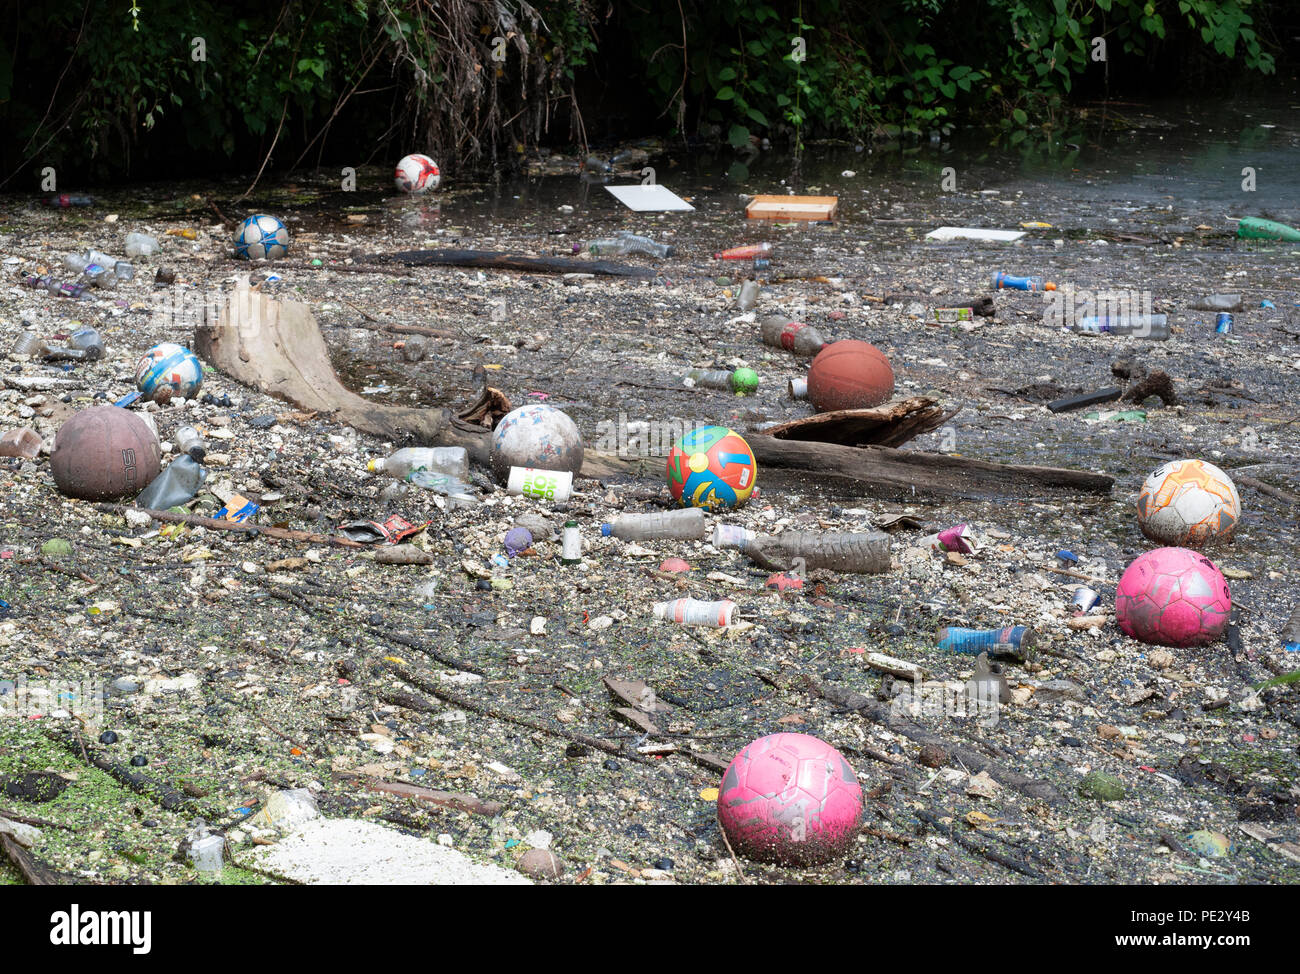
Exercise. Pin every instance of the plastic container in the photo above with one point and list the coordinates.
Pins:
(174, 486)
(543, 485)
(684, 525)
(693, 612)
(794, 336)
(619, 246)
(859, 553)
(748, 297)
(450, 460)
(1003, 280)
(1155, 327)
(732, 536)
(25, 443)
(1013, 642)
(798, 388)
(208, 853)
(141, 245)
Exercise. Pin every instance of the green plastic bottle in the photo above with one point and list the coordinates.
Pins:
(1257, 228)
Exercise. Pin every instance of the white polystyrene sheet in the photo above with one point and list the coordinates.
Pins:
(649, 199)
(973, 233)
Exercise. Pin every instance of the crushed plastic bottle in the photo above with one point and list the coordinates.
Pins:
(860, 553)
(458, 492)
(1218, 302)
(620, 246)
(174, 486)
(693, 612)
(141, 245)
(684, 525)
(794, 336)
(450, 460)
(122, 269)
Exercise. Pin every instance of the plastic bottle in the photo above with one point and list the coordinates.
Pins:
(748, 296)
(87, 340)
(1001, 279)
(1013, 642)
(450, 460)
(693, 612)
(188, 440)
(732, 536)
(25, 443)
(570, 544)
(684, 525)
(745, 253)
(141, 245)
(457, 491)
(65, 200)
(619, 246)
(1155, 327)
(30, 345)
(742, 382)
(92, 272)
(794, 336)
(1291, 632)
(1218, 302)
(860, 553)
(176, 485)
(46, 282)
(597, 164)
(1257, 228)
(122, 269)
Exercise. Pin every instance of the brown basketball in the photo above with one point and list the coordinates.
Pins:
(849, 375)
(104, 453)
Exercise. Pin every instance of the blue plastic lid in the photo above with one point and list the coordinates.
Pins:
(606, 530)
(1067, 555)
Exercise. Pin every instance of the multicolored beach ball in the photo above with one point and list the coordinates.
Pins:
(712, 467)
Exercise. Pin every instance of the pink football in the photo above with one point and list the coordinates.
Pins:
(1173, 597)
(790, 799)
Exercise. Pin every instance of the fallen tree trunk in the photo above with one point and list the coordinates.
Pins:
(882, 471)
(277, 348)
(494, 260)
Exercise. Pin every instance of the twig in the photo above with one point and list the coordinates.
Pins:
(212, 524)
(1269, 489)
(735, 861)
(445, 799)
(29, 867)
(1015, 865)
(905, 840)
(411, 701)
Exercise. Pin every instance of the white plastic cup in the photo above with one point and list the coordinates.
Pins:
(798, 388)
(693, 612)
(546, 485)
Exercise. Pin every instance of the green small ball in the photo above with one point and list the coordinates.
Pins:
(744, 381)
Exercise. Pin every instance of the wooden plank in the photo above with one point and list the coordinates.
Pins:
(792, 208)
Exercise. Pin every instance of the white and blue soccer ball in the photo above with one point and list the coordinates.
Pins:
(170, 367)
(261, 236)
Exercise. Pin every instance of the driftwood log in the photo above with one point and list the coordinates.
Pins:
(276, 347)
(892, 424)
(493, 260)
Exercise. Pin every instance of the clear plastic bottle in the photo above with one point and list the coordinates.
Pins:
(176, 485)
(620, 246)
(743, 382)
(1218, 302)
(141, 245)
(684, 525)
(452, 461)
(1155, 327)
(92, 272)
(122, 269)
(794, 336)
(861, 553)
(188, 440)
(46, 282)
(457, 491)
(732, 536)
(694, 612)
(87, 340)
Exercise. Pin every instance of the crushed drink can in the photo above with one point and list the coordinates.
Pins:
(1223, 323)
(1013, 642)
(1085, 599)
(950, 315)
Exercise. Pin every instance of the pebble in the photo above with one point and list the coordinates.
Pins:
(541, 864)
(1101, 786)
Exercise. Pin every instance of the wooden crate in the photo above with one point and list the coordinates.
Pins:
(792, 208)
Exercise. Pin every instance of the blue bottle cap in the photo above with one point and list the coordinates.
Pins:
(1067, 556)
(606, 530)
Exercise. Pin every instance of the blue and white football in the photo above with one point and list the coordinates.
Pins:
(261, 236)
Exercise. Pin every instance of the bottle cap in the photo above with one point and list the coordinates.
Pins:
(375, 465)
(605, 530)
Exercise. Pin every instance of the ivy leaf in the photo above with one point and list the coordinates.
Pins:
(727, 74)
(725, 93)
(738, 137)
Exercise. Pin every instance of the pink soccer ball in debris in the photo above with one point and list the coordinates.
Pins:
(790, 799)
(1173, 597)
